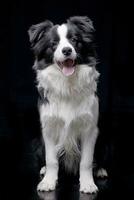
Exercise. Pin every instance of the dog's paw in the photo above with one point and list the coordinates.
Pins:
(43, 171)
(87, 186)
(102, 173)
(47, 184)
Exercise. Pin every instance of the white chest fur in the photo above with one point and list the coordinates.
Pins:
(70, 98)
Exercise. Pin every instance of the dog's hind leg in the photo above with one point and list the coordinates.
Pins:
(42, 171)
(102, 173)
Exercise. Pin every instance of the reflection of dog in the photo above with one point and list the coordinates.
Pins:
(66, 75)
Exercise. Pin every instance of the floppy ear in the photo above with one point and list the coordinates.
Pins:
(83, 23)
(37, 31)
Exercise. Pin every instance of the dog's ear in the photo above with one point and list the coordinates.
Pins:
(83, 24)
(36, 32)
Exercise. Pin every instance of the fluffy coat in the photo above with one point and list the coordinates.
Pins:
(69, 109)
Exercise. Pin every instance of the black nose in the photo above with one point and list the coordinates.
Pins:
(67, 51)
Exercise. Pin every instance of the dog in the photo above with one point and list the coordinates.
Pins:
(65, 65)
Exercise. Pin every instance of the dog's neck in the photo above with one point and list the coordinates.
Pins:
(83, 81)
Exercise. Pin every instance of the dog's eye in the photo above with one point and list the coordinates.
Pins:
(53, 43)
(73, 39)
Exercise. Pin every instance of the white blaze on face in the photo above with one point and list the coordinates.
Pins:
(66, 62)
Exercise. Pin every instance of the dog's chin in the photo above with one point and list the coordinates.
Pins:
(67, 66)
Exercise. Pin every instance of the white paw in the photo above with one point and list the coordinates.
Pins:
(87, 186)
(102, 173)
(47, 184)
(43, 171)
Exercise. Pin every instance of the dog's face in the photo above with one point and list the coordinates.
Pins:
(66, 45)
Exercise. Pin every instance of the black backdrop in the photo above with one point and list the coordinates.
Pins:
(19, 122)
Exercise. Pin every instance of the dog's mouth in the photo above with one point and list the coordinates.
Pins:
(67, 66)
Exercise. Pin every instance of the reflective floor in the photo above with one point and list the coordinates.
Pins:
(24, 187)
(26, 191)
(70, 193)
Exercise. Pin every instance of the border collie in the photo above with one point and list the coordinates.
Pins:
(67, 82)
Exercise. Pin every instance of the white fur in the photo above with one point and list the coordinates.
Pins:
(43, 171)
(102, 173)
(58, 55)
(71, 114)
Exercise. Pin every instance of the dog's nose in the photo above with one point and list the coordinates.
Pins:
(67, 51)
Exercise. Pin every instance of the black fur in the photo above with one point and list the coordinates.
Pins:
(80, 30)
(43, 97)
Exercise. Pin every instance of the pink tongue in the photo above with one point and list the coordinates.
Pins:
(68, 68)
(67, 71)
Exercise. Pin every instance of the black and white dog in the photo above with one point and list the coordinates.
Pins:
(67, 81)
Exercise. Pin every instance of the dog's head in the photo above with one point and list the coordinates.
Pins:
(65, 45)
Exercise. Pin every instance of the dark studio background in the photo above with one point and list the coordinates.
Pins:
(19, 121)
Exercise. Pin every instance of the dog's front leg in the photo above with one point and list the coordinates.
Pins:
(87, 184)
(48, 183)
